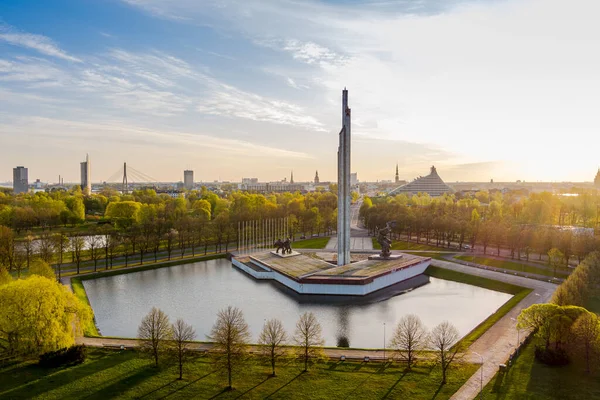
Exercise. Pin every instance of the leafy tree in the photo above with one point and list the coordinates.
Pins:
(154, 333)
(182, 335)
(555, 258)
(409, 338)
(4, 276)
(273, 337)
(231, 335)
(39, 315)
(586, 337)
(444, 339)
(308, 337)
(41, 268)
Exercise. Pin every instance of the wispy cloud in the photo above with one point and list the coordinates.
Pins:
(32, 41)
(231, 102)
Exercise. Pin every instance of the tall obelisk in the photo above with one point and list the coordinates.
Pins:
(343, 222)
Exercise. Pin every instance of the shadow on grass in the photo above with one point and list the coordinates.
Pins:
(184, 386)
(437, 391)
(255, 386)
(395, 384)
(289, 382)
(126, 382)
(34, 380)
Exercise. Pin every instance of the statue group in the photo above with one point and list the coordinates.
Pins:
(384, 241)
(284, 245)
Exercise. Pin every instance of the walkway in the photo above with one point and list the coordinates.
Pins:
(359, 236)
(498, 342)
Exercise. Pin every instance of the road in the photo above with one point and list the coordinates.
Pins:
(359, 236)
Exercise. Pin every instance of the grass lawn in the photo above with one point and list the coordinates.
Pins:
(519, 294)
(124, 374)
(402, 245)
(432, 254)
(513, 266)
(529, 379)
(593, 304)
(312, 243)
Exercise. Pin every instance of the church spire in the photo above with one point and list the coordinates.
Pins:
(397, 175)
(292, 177)
(316, 177)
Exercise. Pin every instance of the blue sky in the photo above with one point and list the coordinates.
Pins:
(500, 89)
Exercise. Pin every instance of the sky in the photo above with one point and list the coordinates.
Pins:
(482, 89)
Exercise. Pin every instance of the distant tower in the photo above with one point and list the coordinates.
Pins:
(597, 179)
(188, 179)
(86, 183)
(20, 180)
(292, 177)
(397, 176)
(125, 188)
(316, 177)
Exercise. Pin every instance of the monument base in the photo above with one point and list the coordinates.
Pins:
(292, 254)
(390, 257)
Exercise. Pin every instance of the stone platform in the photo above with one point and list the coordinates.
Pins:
(310, 275)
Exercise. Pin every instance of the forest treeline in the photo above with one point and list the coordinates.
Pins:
(524, 224)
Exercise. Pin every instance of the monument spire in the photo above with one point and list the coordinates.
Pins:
(344, 195)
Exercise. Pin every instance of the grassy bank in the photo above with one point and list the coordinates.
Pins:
(518, 292)
(529, 379)
(513, 266)
(124, 374)
(79, 291)
(312, 243)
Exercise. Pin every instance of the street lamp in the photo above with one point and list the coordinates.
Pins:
(481, 369)
(384, 342)
(518, 335)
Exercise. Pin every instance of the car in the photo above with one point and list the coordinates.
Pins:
(302, 237)
(467, 247)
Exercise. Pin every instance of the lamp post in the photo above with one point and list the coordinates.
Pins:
(481, 379)
(384, 342)
(518, 335)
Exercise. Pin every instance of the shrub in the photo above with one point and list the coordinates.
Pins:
(343, 341)
(551, 357)
(66, 356)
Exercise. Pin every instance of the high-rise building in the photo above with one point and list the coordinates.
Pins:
(354, 178)
(316, 177)
(20, 180)
(188, 179)
(86, 182)
(397, 176)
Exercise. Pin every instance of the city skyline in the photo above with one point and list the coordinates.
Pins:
(214, 88)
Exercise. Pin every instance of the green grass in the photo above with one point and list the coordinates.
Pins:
(403, 245)
(513, 266)
(124, 374)
(79, 291)
(432, 254)
(518, 292)
(313, 243)
(529, 379)
(593, 303)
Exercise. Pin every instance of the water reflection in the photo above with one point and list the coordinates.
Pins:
(195, 292)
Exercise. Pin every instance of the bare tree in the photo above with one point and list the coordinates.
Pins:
(95, 243)
(586, 334)
(308, 337)
(154, 332)
(273, 337)
(28, 247)
(443, 337)
(182, 335)
(410, 337)
(77, 245)
(231, 335)
(46, 247)
(61, 244)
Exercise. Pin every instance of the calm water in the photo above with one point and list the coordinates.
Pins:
(195, 292)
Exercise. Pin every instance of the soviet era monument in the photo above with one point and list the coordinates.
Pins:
(344, 195)
(306, 274)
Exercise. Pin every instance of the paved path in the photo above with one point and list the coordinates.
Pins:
(498, 342)
(359, 236)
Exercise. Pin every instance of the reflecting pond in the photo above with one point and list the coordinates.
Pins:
(196, 292)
